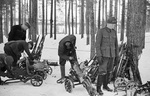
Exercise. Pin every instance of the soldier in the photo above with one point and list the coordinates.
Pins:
(5, 65)
(18, 32)
(106, 51)
(66, 52)
(15, 48)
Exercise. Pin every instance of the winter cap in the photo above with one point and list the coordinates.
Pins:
(112, 20)
(9, 60)
(27, 24)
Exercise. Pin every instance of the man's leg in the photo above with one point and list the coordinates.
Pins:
(62, 70)
(106, 79)
(99, 84)
(105, 83)
(9, 52)
(102, 71)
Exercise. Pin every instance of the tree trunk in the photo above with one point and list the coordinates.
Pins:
(34, 20)
(54, 19)
(65, 16)
(99, 14)
(103, 14)
(136, 21)
(105, 10)
(76, 16)
(122, 21)
(116, 12)
(1, 25)
(72, 17)
(69, 18)
(30, 16)
(87, 21)
(6, 27)
(19, 12)
(11, 15)
(43, 17)
(51, 20)
(92, 29)
(46, 18)
(82, 18)
(111, 8)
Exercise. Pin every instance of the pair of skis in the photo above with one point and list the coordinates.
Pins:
(37, 49)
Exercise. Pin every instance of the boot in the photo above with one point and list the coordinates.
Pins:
(99, 84)
(105, 83)
(62, 69)
(62, 79)
(2, 82)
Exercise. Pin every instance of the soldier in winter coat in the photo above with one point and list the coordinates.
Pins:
(106, 50)
(15, 48)
(18, 32)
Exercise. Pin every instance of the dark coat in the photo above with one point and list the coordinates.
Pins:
(107, 43)
(18, 47)
(17, 33)
(62, 51)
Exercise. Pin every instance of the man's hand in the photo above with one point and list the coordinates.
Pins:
(71, 58)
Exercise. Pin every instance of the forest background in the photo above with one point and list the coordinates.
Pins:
(82, 17)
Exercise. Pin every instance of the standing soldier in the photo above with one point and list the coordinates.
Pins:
(106, 50)
(66, 52)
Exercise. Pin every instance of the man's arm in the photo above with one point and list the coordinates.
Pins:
(98, 42)
(116, 45)
(25, 45)
(61, 53)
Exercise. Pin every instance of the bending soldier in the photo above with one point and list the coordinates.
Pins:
(15, 48)
(66, 52)
(18, 32)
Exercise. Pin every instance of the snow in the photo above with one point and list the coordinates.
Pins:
(51, 88)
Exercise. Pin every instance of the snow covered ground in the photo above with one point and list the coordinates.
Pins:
(51, 88)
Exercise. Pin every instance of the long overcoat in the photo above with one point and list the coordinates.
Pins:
(106, 43)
